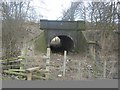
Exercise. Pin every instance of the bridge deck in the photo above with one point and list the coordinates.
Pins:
(63, 25)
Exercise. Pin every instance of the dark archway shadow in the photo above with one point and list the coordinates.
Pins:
(66, 43)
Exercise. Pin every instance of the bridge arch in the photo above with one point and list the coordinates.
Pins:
(63, 42)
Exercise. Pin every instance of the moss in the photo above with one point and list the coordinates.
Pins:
(5, 78)
(40, 43)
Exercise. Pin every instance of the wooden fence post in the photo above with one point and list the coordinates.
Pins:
(30, 71)
(104, 72)
(29, 76)
(48, 63)
(92, 45)
(64, 63)
(79, 70)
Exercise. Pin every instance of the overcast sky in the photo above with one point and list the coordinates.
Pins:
(51, 9)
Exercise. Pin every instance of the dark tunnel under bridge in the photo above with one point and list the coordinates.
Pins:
(61, 43)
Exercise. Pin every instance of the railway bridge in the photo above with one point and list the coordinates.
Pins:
(69, 33)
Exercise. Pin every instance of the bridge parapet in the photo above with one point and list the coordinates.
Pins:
(63, 25)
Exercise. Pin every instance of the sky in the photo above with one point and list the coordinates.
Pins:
(51, 9)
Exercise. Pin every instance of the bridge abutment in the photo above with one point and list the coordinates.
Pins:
(69, 33)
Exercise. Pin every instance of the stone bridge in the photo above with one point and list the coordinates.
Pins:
(69, 33)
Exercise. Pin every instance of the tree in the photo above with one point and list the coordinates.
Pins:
(77, 10)
(103, 15)
(13, 29)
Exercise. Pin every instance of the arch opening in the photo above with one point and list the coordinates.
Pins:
(61, 43)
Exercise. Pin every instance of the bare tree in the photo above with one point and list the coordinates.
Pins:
(103, 15)
(77, 10)
(14, 17)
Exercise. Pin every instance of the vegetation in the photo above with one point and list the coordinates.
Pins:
(13, 31)
(100, 17)
(40, 43)
(99, 62)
